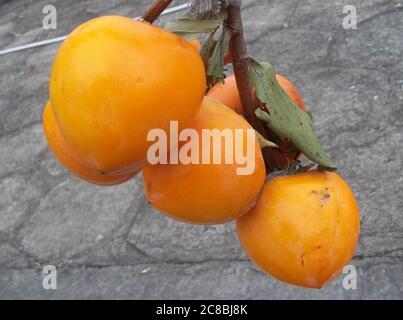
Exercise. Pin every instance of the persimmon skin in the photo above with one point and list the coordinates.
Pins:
(303, 229)
(113, 80)
(227, 92)
(69, 158)
(206, 193)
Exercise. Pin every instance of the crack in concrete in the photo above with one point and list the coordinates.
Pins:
(379, 15)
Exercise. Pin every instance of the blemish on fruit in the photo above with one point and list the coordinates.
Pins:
(309, 252)
(325, 197)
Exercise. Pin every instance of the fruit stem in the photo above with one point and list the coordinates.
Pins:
(239, 54)
(155, 10)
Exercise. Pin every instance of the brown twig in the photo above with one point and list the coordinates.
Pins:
(239, 53)
(155, 10)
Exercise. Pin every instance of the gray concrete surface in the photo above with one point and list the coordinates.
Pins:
(109, 243)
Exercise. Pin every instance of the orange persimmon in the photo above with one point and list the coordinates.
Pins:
(113, 80)
(303, 229)
(208, 193)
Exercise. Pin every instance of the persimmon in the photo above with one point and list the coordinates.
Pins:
(69, 158)
(195, 43)
(114, 79)
(207, 193)
(303, 229)
(228, 94)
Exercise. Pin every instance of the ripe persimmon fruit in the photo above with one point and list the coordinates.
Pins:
(70, 159)
(228, 94)
(303, 229)
(207, 193)
(114, 79)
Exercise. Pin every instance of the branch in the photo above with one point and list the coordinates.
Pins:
(239, 54)
(155, 10)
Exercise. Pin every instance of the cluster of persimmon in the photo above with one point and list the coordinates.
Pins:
(114, 79)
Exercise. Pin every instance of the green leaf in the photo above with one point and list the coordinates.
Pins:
(188, 24)
(207, 48)
(189, 36)
(284, 118)
(215, 68)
